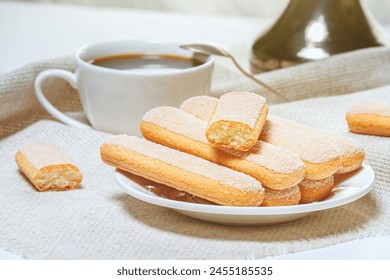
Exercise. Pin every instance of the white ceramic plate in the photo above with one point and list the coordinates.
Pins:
(348, 188)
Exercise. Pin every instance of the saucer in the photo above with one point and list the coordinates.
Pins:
(348, 188)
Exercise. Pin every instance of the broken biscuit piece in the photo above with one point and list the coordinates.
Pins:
(237, 121)
(48, 167)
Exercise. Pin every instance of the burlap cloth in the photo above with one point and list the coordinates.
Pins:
(99, 221)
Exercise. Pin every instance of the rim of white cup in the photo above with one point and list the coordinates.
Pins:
(209, 61)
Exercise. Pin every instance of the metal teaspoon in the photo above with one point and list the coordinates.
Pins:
(214, 49)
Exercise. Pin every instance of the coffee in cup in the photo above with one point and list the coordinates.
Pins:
(147, 62)
(119, 81)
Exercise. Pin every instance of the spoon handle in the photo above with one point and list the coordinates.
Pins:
(257, 80)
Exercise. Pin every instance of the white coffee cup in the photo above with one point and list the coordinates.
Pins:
(115, 100)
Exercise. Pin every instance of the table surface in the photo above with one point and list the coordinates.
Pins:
(30, 32)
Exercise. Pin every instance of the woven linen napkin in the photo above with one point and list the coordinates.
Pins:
(345, 73)
(100, 221)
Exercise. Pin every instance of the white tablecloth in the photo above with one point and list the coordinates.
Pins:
(30, 32)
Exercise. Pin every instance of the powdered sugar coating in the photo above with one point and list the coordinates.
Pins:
(281, 194)
(201, 107)
(375, 107)
(348, 146)
(317, 183)
(242, 107)
(187, 162)
(45, 154)
(178, 121)
(270, 156)
(304, 140)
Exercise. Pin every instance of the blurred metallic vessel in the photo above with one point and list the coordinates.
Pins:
(315, 29)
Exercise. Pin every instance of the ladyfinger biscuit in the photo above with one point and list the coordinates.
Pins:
(274, 167)
(322, 157)
(312, 191)
(182, 171)
(48, 167)
(237, 121)
(201, 106)
(369, 117)
(352, 152)
(286, 197)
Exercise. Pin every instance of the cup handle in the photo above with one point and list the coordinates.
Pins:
(71, 79)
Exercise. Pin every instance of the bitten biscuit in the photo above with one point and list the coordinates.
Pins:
(237, 121)
(312, 191)
(182, 171)
(369, 117)
(48, 167)
(274, 167)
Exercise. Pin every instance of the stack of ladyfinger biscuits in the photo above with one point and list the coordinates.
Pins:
(231, 152)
